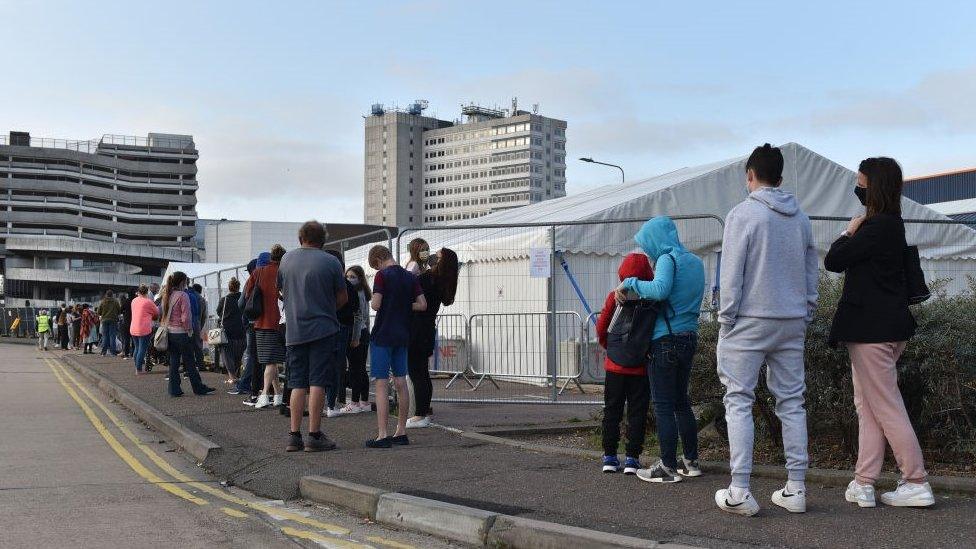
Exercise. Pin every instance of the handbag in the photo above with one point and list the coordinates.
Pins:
(161, 337)
(217, 336)
(254, 305)
(915, 285)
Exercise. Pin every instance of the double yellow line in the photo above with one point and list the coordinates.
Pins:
(176, 486)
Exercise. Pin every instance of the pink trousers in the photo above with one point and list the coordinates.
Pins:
(881, 413)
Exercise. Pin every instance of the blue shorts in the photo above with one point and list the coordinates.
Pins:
(384, 359)
(311, 364)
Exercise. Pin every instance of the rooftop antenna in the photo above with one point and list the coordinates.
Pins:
(514, 106)
(535, 108)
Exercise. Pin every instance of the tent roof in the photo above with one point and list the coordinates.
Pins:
(823, 187)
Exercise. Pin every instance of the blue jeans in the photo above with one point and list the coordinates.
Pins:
(110, 329)
(671, 362)
(180, 347)
(141, 344)
(250, 361)
(343, 337)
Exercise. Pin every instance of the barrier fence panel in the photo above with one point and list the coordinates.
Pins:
(530, 294)
(947, 249)
(589, 257)
(19, 322)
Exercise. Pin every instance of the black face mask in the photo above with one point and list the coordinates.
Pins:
(862, 194)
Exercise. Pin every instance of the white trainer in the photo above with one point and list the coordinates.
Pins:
(332, 412)
(794, 503)
(278, 400)
(262, 402)
(860, 494)
(748, 506)
(418, 423)
(909, 494)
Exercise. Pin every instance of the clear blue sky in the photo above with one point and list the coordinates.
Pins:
(274, 92)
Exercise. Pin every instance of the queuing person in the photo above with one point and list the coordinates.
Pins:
(56, 324)
(88, 334)
(64, 326)
(396, 294)
(74, 333)
(267, 333)
(198, 310)
(679, 282)
(439, 284)
(74, 314)
(419, 254)
(153, 294)
(335, 393)
(125, 326)
(312, 288)
(232, 321)
(874, 323)
(357, 377)
(108, 310)
(623, 385)
(179, 321)
(142, 312)
(768, 284)
(43, 329)
(249, 383)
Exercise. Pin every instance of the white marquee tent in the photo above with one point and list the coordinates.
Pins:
(497, 292)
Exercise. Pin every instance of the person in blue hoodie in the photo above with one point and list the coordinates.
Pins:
(679, 280)
(768, 296)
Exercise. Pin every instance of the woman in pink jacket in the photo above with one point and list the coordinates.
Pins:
(178, 320)
(144, 312)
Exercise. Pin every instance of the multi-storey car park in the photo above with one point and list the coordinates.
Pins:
(80, 217)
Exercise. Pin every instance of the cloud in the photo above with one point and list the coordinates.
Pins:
(634, 135)
(939, 102)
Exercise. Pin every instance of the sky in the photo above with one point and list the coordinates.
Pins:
(274, 93)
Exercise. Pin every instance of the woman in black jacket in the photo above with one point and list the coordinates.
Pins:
(232, 320)
(874, 322)
(439, 284)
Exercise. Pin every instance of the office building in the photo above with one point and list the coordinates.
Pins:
(491, 161)
(952, 194)
(80, 217)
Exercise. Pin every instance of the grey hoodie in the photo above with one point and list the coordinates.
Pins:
(769, 263)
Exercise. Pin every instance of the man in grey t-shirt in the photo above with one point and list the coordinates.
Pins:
(312, 287)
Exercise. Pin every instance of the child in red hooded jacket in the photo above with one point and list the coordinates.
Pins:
(624, 385)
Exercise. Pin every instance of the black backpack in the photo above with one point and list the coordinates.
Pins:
(254, 304)
(630, 332)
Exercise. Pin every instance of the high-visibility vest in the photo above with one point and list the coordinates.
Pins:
(43, 324)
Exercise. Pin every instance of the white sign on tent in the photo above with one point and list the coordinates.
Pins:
(540, 264)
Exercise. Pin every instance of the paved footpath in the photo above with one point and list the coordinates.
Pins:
(442, 465)
(79, 471)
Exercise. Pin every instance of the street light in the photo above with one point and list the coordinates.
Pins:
(217, 230)
(623, 178)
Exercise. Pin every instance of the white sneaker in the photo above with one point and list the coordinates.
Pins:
(365, 407)
(794, 503)
(418, 423)
(748, 506)
(909, 494)
(262, 402)
(350, 409)
(332, 412)
(279, 400)
(860, 494)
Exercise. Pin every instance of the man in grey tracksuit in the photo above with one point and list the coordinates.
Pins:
(769, 275)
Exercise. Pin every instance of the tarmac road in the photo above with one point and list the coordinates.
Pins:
(79, 471)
